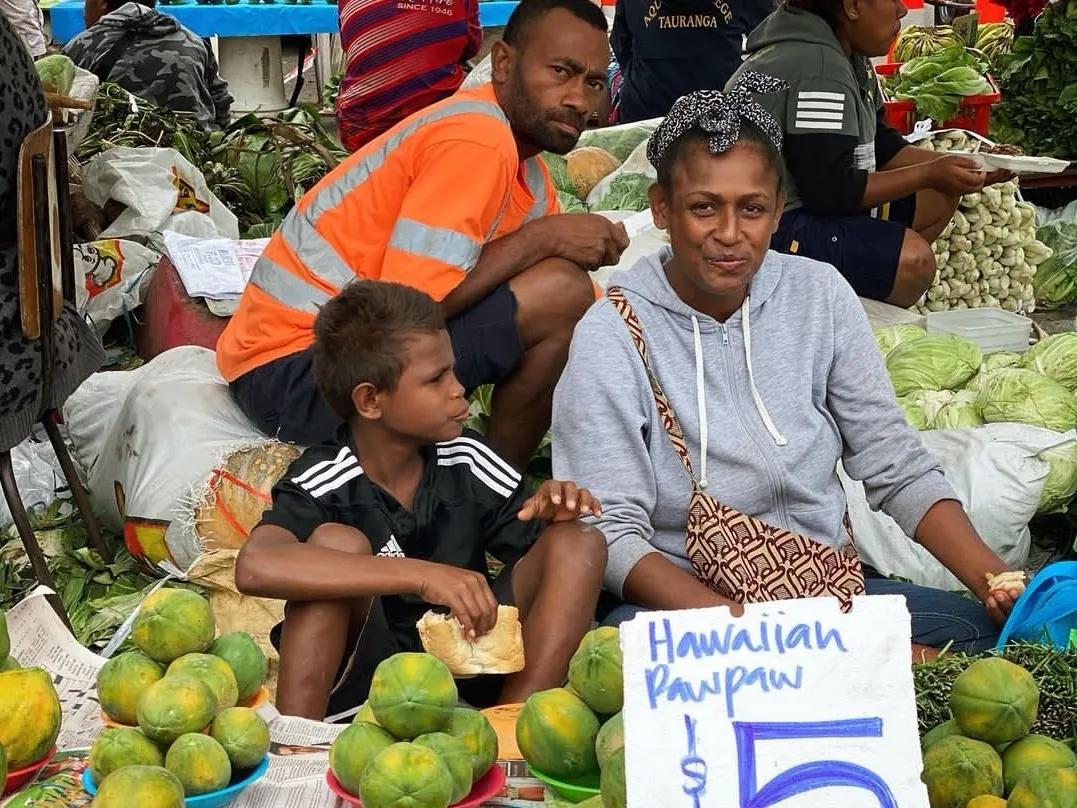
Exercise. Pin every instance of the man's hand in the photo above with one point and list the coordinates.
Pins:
(955, 175)
(998, 176)
(465, 592)
(557, 501)
(586, 239)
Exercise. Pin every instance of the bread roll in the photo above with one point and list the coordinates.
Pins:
(501, 650)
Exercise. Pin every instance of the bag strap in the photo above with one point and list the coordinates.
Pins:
(665, 409)
(104, 67)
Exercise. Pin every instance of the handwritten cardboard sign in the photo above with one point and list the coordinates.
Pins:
(793, 705)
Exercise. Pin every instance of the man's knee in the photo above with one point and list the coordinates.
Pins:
(555, 286)
(341, 538)
(915, 272)
(918, 263)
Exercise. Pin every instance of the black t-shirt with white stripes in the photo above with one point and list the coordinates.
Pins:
(465, 507)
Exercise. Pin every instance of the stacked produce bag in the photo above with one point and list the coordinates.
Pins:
(607, 171)
(943, 381)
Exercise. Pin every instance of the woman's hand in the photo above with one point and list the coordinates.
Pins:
(557, 501)
(999, 603)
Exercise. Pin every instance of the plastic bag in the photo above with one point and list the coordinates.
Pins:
(636, 163)
(161, 191)
(117, 275)
(152, 440)
(84, 87)
(645, 243)
(37, 473)
(1047, 611)
(998, 476)
(480, 74)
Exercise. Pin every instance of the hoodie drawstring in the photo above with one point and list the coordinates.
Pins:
(760, 407)
(701, 403)
(701, 391)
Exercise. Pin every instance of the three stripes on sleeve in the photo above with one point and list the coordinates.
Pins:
(820, 110)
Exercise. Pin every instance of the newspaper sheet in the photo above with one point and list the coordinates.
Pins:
(298, 752)
(216, 268)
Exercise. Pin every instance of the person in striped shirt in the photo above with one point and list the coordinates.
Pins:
(400, 56)
(396, 515)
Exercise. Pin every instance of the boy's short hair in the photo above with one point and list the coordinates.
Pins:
(359, 337)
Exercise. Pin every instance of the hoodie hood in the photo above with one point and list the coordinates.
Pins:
(145, 20)
(792, 25)
(648, 280)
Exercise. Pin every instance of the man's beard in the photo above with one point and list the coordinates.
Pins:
(538, 126)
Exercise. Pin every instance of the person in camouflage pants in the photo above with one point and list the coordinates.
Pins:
(152, 56)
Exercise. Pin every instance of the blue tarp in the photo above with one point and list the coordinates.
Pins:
(251, 20)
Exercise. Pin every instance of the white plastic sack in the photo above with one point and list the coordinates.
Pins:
(883, 314)
(84, 87)
(642, 244)
(117, 273)
(37, 473)
(480, 74)
(149, 440)
(161, 191)
(999, 479)
(636, 163)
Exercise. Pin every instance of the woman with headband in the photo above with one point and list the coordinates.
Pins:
(708, 399)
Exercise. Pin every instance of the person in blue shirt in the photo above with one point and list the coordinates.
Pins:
(669, 48)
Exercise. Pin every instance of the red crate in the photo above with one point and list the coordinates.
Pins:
(974, 113)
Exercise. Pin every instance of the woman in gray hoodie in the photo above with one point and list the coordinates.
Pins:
(716, 460)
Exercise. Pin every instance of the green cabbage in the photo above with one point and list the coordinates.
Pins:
(1061, 484)
(888, 337)
(992, 364)
(619, 141)
(1060, 487)
(1000, 360)
(934, 362)
(1056, 358)
(960, 412)
(558, 169)
(570, 203)
(627, 191)
(1025, 397)
(914, 413)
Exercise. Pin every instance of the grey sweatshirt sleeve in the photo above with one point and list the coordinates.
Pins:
(901, 477)
(601, 412)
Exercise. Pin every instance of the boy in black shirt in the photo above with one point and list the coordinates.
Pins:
(361, 550)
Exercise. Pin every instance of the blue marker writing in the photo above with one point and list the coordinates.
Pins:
(692, 766)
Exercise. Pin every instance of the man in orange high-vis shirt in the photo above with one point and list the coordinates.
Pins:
(456, 202)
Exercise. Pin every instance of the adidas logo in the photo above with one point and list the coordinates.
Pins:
(391, 549)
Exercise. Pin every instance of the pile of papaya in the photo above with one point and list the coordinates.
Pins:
(575, 734)
(985, 756)
(175, 705)
(411, 743)
(29, 711)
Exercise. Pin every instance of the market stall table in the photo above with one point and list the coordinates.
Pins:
(249, 46)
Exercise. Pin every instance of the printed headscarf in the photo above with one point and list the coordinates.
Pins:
(719, 115)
